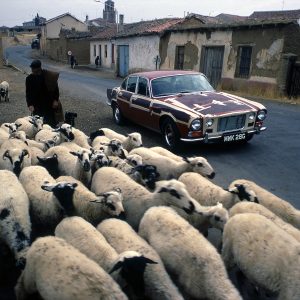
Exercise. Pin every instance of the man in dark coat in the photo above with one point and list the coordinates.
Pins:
(42, 93)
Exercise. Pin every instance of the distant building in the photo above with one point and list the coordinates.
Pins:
(109, 12)
(36, 22)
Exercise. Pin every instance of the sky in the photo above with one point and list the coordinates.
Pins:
(15, 12)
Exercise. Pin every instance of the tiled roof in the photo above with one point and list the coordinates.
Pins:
(227, 18)
(72, 34)
(283, 14)
(156, 26)
(106, 33)
(99, 22)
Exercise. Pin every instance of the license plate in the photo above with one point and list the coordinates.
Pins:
(234, 137)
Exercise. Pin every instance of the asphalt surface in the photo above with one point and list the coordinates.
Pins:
(271, 159)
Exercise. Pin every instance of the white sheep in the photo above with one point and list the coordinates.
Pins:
(45, 209)
(137, 199)
(278, 206)
(207, 193)
(14, 156)
(164, 152)
(70, 163)
(266, 254)
(250, 207)
(89, 241)
(15, 225)
(4, 135)
(121, 236)
(168, 168)
(113, 148)
(4, 91)
(129, 142)
(46, 134)
(134, 160)
(10, 127)
(80, 201)
(197, 267)
(58, 271)
(31, 125)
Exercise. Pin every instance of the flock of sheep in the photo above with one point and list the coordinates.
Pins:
(102, 217)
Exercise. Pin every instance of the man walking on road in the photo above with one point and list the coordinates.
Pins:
(42, 93)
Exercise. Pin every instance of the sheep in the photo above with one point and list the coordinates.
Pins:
(47, 134)
(31, 125)
(10, 127)
(4, 135)
(146, 175)
(129, 142)
(80, 201)
(137, 199)
(265, 253)
(278, 206)
(98, 160)
(15, 225)
(89, 241)
(195, 264)
(75, 164)
(58, 271)
(164, 152)
(4, 91)
(14, 156)
(45, 209)
(121, 236)
(208, 193)
(168, 168)
(113, 148)
(247, 207)
(134, 160)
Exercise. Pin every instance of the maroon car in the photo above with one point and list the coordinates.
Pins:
(183, 106)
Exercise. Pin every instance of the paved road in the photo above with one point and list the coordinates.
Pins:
(271, 159)
(92, 86)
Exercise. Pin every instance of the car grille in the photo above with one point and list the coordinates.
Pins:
(231, 123)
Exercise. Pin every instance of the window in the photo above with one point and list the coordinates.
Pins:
(143, 87)
(243, 62)
(95, 54)
(179, 59)
(131, 85)
(105, 50)
(112, 53)
(124, 83)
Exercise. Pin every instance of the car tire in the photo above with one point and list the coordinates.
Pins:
(170, 134)
(117, 114)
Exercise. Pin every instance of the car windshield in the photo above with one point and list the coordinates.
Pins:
(179, 84)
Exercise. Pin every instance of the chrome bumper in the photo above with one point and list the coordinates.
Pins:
(207, 139)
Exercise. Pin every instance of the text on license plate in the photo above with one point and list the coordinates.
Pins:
(234, 137)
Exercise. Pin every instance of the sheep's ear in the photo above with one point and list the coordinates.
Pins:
(233, 190)
(6, 125)
(116, 267)
(18, 125)
(74, 153)
(163, 190)
(186, 159)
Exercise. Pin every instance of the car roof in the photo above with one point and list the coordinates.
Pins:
(155, 74)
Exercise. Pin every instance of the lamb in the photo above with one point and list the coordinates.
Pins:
(208, 193)
(4, 91)
(264, 253)
(45, 210)
(58, 271)
(201, 274)
(14, 156)
(80, 201)
(168, 168)
(137, 199)
(15, 225)
(129, 142)
(89, 241)
(31, 125)
(278, 206)
(248, 207)
(134, 160)
(158, 285)
(10, 127)
(70, 163)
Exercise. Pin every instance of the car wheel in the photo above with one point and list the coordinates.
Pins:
(171, 134)
(117, 114)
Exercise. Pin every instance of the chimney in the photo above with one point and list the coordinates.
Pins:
(121, 19)
(86, 18)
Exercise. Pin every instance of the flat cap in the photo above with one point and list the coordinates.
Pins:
(35, 64)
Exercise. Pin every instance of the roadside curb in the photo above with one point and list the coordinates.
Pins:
(16, 68)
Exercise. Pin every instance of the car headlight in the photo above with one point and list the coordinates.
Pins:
(196, 125)
(209, 122)
(261, 115)
(251, 117)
